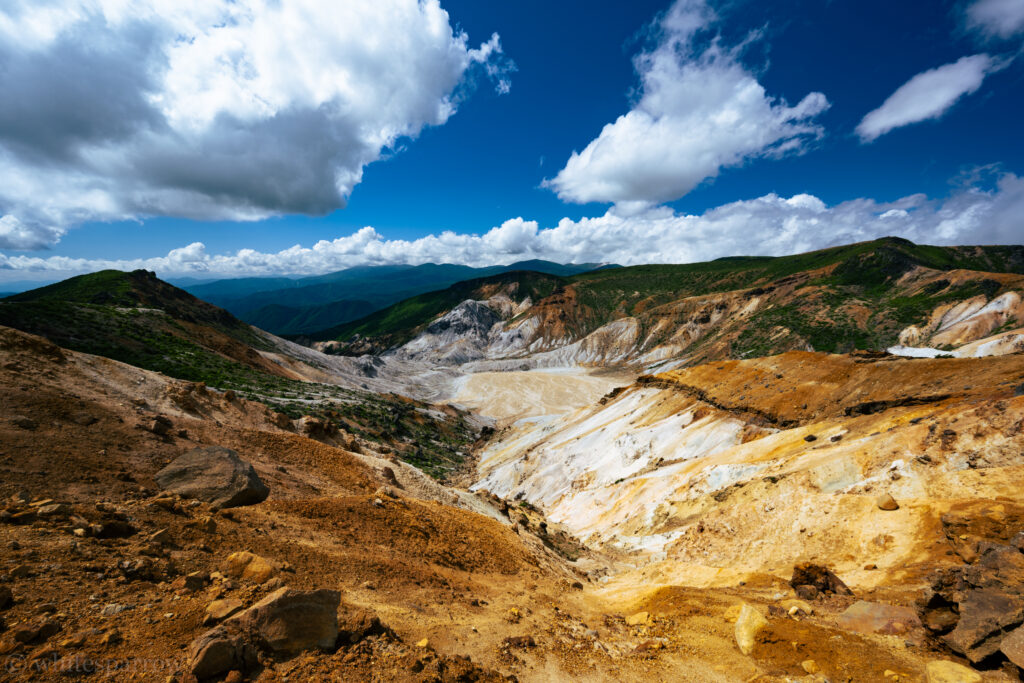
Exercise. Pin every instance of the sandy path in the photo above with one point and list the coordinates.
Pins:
(507, 396)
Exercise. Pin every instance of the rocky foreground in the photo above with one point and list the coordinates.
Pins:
(153, 529)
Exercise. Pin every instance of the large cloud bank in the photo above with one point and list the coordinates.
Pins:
(213, 109)
(769, 225)
(700, 110)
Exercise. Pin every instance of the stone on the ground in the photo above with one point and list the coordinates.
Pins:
(941, 671)
(24, 422)
(249, 567)
(291, 620)
(748, 625)
(821, 578)
(796, 607)
(6, 597)
(215, 475)
(886, 502)
(874, 617)
(810, 666)
(54, 510)
(215, 653)
(638, 619)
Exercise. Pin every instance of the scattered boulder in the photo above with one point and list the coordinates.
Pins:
(141, 569)
(217, 652)
(885, 501)
(941, 671)
(810, 666)
(23, 422)
(874, 617)
(112, 609)
(191, 583)
(36, 633)
(250, 567)
(83, 418)
(287, 621)
(53, 510)
(749, 623)
(6, 597)
(820, 578)
(291, 620)
(159, 425)
(215, 475)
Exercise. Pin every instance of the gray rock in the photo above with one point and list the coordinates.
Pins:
(213, 474)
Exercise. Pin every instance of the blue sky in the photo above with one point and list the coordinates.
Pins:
(814, 177)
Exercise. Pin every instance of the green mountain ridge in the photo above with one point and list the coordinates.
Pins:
(138, 319)
(858, 275)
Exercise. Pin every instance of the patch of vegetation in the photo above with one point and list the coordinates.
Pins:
(153, 339)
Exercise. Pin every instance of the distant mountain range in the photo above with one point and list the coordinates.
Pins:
(858, 296)
(302, 306)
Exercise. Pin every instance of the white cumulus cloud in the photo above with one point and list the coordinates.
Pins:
(699, 110)
(767, 225)
(214, 109)
(999, 18)
(928, 95)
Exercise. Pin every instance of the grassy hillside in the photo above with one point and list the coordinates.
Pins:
(137, 319)
(849, 299)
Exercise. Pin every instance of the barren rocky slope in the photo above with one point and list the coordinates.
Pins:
(502, 496)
